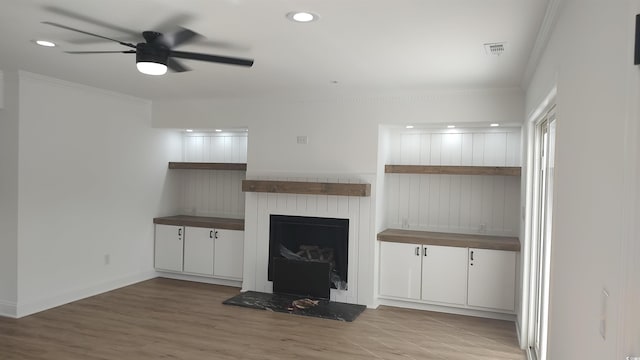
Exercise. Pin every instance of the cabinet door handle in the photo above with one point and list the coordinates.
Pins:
(471, 255)
(180, 232)
(216, 234)
(425, 251)
(417, 250)
(211, 234)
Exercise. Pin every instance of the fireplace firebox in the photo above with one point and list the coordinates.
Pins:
(315, 239)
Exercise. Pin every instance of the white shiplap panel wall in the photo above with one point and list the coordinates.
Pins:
(356, 209)
(216, 147)
(455, 203)
(213, 192)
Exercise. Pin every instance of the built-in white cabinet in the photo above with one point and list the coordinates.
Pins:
(400, 270)
(169, 247)
(199, 251)
(492, 279)
(444, 274)
(228, 254)
(449, 276)
(421, 272)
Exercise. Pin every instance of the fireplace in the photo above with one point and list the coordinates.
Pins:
(311, 239)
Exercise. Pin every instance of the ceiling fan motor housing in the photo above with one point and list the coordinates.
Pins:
(150, 53)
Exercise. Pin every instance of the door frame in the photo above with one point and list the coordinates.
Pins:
(527, 228)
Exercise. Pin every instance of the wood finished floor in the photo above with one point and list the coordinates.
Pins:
(170, 319)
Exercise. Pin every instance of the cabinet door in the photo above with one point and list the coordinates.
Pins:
(198, 250)
(168, 247)
(444, 274)
(492, 279)
(400, 270)
(229, 254)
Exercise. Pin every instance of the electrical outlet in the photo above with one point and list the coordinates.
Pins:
(302, 140)
(107, 259)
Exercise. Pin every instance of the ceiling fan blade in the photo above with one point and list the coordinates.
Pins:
(101, 52)
(211, 58)
(90, 20)
(88, 33)
(179, 37)
(176, 66)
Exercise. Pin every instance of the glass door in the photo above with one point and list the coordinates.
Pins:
(545, 154)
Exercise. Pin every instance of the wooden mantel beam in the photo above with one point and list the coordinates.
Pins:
(306, 188)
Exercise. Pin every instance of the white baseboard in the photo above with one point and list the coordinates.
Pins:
(200, 279)
(25, 309)
(447, 309)
(8, 309)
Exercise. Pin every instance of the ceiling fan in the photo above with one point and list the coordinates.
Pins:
(154, 56)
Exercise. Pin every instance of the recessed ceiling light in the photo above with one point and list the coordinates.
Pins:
(451, 126)
(218, 130)
(188, 130)
(302, 16)
(494, 125)
(45, 43)
(409, 126)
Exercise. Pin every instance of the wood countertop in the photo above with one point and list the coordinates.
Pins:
(449, 239)
(201, 221)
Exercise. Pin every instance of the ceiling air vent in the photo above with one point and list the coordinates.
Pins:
(494, 48)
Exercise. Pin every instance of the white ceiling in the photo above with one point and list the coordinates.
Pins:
(364, 45)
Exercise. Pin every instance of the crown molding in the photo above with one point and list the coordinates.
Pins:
(544, 34)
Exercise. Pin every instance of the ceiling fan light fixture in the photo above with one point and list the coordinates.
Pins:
(151, 60)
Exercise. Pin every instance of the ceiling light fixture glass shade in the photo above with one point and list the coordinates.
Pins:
(151, 68)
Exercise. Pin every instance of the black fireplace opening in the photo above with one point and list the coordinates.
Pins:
(311, 239)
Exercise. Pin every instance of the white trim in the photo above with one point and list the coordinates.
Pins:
(630, 246)
(200, 279)
(446, 309)
(8, 309)
(24, 309)
(545, 106)
(542, 40)
(1, 89)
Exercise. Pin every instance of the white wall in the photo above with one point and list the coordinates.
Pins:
(93, 174)
(590, 191)
(9, 197)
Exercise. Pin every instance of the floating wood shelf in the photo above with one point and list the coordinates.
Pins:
(453, 170)
(450, 239)
(201, 221)
(208, 166)
(307, 188)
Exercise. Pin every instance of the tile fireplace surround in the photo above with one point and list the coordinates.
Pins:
(357, 209)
